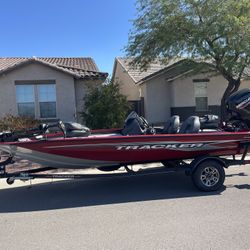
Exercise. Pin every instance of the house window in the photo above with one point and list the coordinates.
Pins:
(25, 100)
(36, 100)
(200, 94)
(47, 100)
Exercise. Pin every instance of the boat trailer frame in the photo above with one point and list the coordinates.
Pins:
(32, 174)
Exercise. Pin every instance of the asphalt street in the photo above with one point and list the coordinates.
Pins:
(146, 212)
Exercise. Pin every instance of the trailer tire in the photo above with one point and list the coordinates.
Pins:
(10, 181)
(209, 175)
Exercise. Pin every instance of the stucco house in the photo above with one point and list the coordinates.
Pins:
(177, 87)
(47, 88)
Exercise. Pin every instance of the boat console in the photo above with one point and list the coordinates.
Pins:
(136, 125)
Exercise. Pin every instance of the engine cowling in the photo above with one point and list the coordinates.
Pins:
(238, 107)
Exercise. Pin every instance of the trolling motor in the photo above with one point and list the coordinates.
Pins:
(238, 108)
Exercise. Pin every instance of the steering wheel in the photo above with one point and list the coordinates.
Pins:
(148, 129)
(144, 122)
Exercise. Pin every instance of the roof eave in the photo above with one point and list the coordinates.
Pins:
(13, 67)
(160, 72)
(31, 60)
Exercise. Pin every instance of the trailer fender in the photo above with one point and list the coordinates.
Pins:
(197, 161)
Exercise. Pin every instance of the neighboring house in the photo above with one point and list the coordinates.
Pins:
(174, 88)
(46, 88)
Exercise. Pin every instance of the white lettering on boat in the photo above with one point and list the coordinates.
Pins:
(161, 146)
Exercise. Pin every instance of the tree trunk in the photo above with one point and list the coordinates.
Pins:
(233, 86)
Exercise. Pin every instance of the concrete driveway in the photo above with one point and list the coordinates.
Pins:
(147, 212)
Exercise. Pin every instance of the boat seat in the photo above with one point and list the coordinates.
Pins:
(74, 129)
(190, 125)
(172, 125)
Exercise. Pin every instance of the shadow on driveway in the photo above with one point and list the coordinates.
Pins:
(242, 174)
(243, 186)
(80, 193)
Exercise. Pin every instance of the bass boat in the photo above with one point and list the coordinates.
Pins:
(77, 147)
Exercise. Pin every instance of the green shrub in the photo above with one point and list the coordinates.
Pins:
(105, 107)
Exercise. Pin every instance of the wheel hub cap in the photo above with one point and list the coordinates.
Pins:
(210, 176)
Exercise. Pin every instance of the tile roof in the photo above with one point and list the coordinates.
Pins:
(178, 68)
(79, 67)
(86, 63)
(136, 73)
(172, 70)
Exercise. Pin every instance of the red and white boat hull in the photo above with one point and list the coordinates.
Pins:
(92, 152)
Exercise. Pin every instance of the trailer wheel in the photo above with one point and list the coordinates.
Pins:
(209, 175)
(10, 181)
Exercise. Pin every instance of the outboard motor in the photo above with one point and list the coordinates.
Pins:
(238, 107)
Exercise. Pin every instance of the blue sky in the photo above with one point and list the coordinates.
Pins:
(96, 28)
